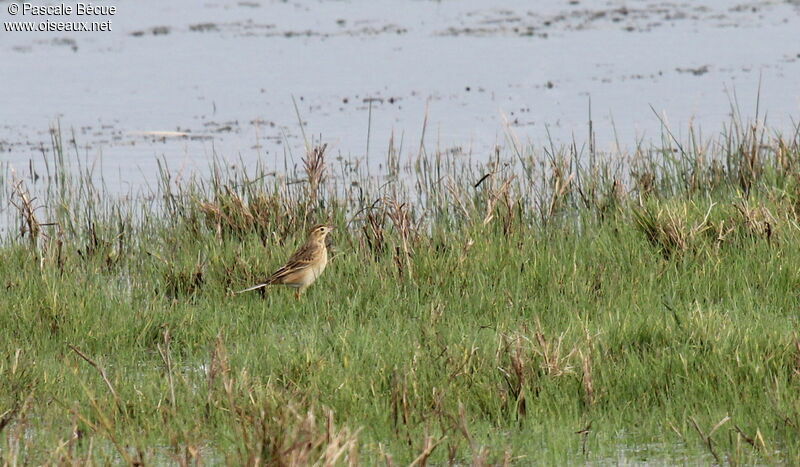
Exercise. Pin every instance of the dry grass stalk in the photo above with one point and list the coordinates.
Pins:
(228, 213)
(617, 192)
(314, 166)
(167, 359)
(238, 207)
(609, 199)
(214, 216)
(374, 229)
(277, 432)
(555, 362)
(106, 426)
(495, 194)
(587, 379)
(191, 456)
(757, 441)
(457, 197)
(292, 438)
(518, 365)
(750, 163)
(405, 227)
(29, 222)
(481, 458)
(103, 374)
(387, 458)
(463, 427)
(428, 446)
(516, 379)
(757, 221)
(645, 184)
(717, 174)
(560, 183)
(400, 402)
(584, 433)
(18, 432)
(796, 342)
(529, 359)
(669, 229)
(721, 232)
(707, 437)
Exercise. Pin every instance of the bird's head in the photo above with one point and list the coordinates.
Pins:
(319, 232)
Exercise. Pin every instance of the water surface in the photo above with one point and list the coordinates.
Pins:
(221, 77)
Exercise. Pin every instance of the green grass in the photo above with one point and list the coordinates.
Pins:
(569, 327)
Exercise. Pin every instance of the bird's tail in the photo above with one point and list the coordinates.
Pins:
(255, 287)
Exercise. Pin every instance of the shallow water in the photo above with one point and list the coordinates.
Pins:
(225, 74)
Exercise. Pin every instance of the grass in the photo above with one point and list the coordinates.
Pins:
(533, 309)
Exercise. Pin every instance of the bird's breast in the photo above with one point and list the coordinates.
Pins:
(320, 266)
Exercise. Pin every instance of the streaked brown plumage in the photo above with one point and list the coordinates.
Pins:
(304, 266)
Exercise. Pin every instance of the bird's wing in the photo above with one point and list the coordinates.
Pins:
(301, 259)
(305, 253)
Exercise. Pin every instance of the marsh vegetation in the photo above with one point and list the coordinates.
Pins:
(555, 304)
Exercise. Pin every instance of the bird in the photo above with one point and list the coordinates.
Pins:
(304, 266)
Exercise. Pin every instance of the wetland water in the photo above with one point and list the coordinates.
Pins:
(222, 75)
